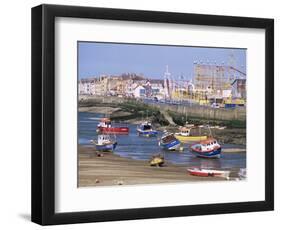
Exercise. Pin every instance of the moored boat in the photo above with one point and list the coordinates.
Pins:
(157, 160)
(146, 129)
(105, 143)
(208, 172)
(184, 136)
(209, 148)
(169, 142)
(105, 127)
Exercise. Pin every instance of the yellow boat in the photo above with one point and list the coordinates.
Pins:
(157, 160)
(184, 136)
(189, 138)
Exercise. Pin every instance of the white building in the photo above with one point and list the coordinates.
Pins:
(129, 88)
(157, 88)
(84, 87)
(93, 86)
(139, 91)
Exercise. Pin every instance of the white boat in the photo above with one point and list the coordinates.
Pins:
(105, 143)
(146, 129)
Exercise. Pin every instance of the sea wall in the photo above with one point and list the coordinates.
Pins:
(206, 112)
(191, 110)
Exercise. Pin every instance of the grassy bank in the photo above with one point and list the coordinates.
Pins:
(133, 109)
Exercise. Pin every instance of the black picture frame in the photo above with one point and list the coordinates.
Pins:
(43, 114)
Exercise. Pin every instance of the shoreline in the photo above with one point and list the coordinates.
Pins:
(113, 170)
(228, 135)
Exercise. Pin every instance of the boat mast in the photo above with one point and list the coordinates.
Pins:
(210, 131)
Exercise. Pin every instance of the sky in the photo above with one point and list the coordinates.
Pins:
(95, 59)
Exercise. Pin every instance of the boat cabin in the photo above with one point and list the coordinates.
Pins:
(105, 122)
(184, 131)
(103, 139)
(207, 145)
(146, 126)
(169, 137)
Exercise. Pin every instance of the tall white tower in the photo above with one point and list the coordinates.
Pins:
(167, 83)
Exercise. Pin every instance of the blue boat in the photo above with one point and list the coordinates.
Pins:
(105, 143)
(146, 129)
(209, 148)
(169, 142)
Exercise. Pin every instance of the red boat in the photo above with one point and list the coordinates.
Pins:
(105, 126)
(208, 173)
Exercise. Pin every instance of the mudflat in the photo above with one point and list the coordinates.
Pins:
(113, 170)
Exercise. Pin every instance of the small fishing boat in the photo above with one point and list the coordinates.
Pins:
(105, 127)
(169, 142)
(184, 136)
(157, 160)
(209, 148)
(105, 143)
(208, 173)
(146, 129)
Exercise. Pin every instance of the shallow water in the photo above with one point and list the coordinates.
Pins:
(142, 148)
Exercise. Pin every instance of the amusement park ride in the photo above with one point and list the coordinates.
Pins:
(210, 80)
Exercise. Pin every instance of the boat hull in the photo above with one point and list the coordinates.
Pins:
(210, 154)
(113, 130)
(106, 147)
(208, 173)
(171, 146)
(150, 133)
(157, 161)
(190, 138)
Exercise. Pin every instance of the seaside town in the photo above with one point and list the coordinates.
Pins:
(214, 85)
(137, 129)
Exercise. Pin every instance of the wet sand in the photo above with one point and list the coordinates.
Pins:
(113, 170)
(234, 150)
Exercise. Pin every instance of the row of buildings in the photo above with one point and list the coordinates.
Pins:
(128, 85)
(209, 81)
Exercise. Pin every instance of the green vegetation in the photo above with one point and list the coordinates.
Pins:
(142, 111)
(133, 109)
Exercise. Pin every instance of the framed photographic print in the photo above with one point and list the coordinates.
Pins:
(142, 114)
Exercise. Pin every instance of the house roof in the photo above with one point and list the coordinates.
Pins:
(138, 86)
(156, 81)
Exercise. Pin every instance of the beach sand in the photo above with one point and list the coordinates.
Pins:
(113, 170)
